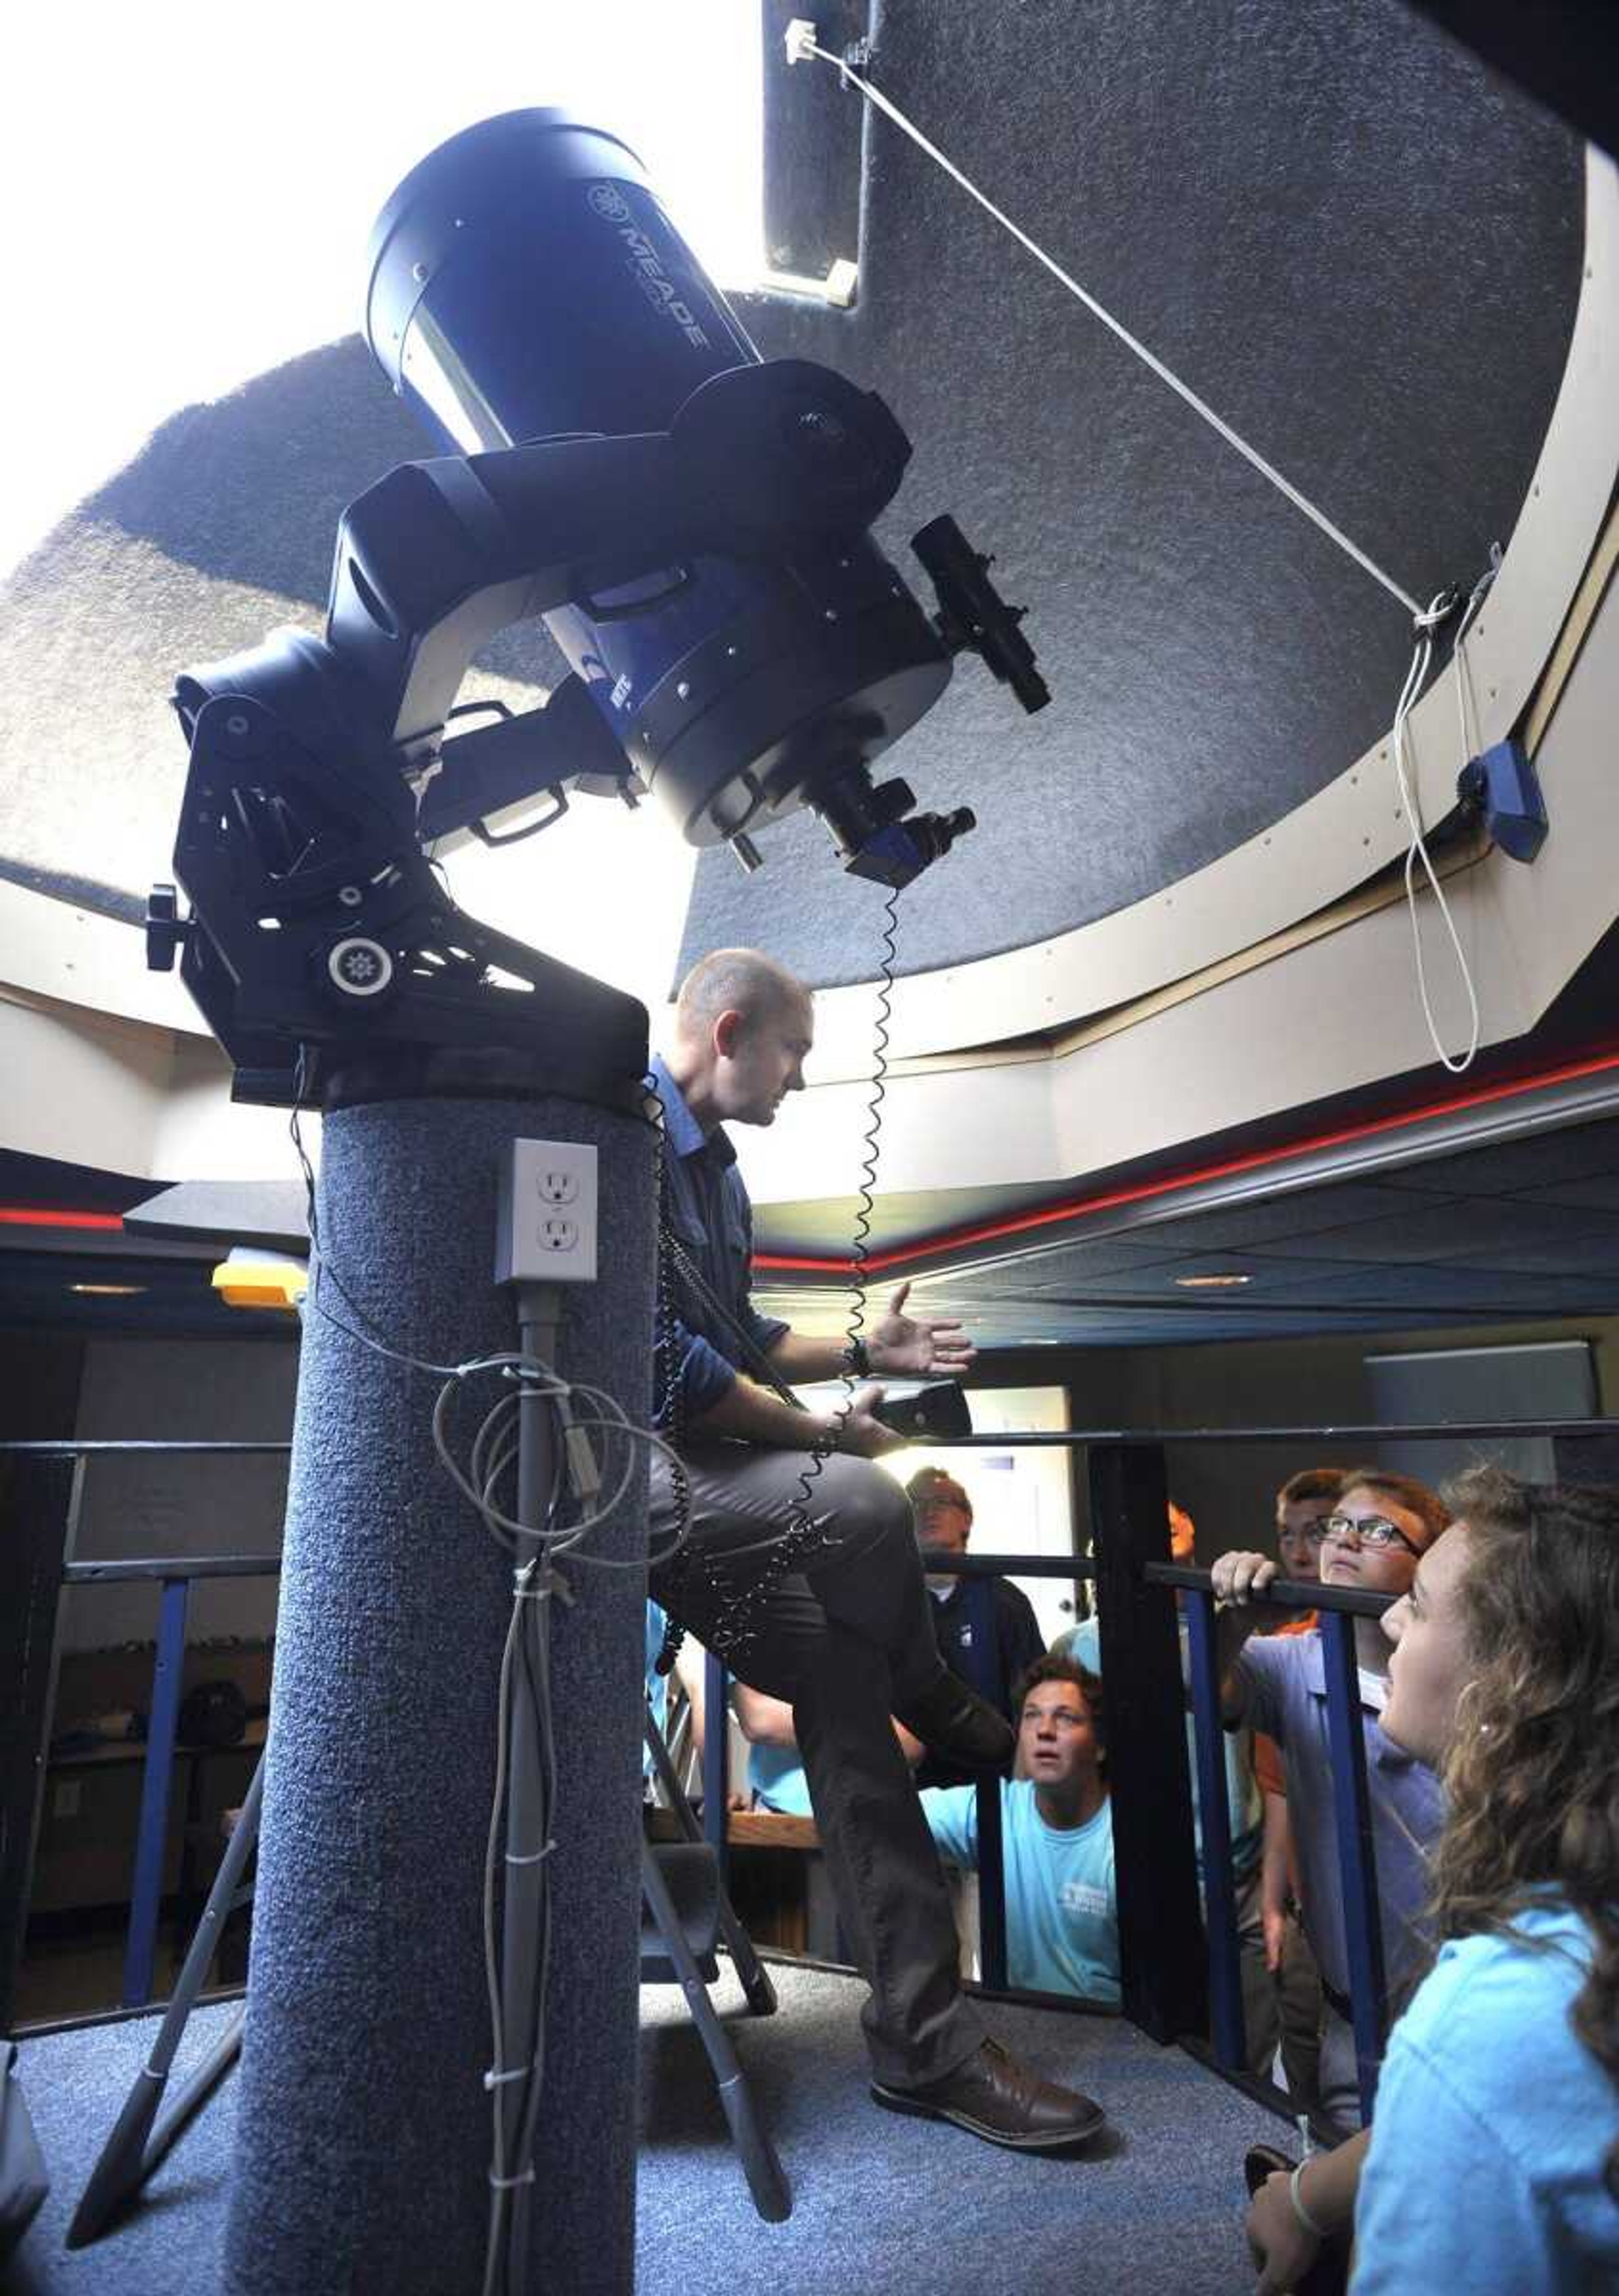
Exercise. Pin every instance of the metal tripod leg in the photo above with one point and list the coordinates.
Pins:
(767, 2179)
(755, 1978)
(135, 2148)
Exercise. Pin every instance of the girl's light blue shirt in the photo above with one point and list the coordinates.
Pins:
(1492, 2124)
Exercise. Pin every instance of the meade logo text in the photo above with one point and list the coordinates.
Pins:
(645, 263)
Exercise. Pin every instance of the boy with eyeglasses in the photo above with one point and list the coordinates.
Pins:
(1380, 1525)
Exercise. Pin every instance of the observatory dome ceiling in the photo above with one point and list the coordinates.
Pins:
(1359, 246)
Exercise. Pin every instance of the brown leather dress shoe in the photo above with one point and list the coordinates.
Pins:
(992, 2095)
(954, 1720)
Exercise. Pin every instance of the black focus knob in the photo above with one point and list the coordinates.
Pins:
(166, 929)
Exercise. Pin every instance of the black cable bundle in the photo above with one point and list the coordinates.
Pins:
(670, 1413)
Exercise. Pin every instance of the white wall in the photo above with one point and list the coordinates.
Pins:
(1229, 1489)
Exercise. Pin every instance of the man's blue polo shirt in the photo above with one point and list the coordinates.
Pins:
(713, 1224)
(1285, 1682)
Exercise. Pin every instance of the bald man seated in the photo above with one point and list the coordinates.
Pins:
(819, 1599)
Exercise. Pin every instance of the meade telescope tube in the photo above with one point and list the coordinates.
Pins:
(526, 284)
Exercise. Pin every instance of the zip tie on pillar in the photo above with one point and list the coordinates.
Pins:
(537, 1579)
(529, 1856)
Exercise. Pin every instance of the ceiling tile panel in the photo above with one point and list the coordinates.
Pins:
(1576, 1153)
(1301, 1212)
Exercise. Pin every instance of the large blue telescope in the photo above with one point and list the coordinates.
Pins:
(693, 526)
(525, 284)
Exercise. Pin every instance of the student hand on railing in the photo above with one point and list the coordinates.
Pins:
(1241, 1574)
(1236, 1577)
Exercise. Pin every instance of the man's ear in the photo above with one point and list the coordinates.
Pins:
(727, 1035)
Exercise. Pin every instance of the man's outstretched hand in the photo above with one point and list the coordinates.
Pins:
(919, 1344)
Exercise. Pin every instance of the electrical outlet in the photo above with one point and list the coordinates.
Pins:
(546, 1215)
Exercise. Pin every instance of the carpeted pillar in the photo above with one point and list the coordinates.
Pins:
(362, 2140)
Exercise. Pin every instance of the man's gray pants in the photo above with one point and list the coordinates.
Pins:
(846, 1637)
(1339, 2080)
(1282, 2007)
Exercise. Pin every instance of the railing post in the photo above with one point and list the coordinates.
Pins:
(981, 1670)
(716, 1760)
(39, 1500)
(1357, 1859)
(147, 1894)
(992, 1857)
(991, 1887)
(1219, 1879)
(1161, 1944)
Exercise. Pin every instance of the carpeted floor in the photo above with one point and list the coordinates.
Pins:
(881, 2203)
(885, 2206)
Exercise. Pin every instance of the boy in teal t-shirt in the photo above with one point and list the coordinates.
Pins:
(1057, 1838)
(1244, 1801)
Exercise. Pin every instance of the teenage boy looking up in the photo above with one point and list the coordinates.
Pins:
(1057, 1838)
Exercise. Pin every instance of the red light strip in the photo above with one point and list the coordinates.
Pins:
(23, 1216)
(992, 1231)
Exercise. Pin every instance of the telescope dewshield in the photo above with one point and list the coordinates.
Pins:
(525, 284)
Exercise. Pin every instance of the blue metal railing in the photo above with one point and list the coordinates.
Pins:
(1338, 1608)
(1357, 1862)
(1218, 1871)
(174, 1576)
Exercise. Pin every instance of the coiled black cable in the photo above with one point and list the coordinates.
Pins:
(794, 1544)
(859, 1250)
(669, 1411)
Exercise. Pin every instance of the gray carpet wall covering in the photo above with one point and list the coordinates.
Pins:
(1360, 245)
(363, 2139)
(1356, 242)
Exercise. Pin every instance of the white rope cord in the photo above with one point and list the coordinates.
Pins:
(1416, 677)
(801, 43)
(1467, 701)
